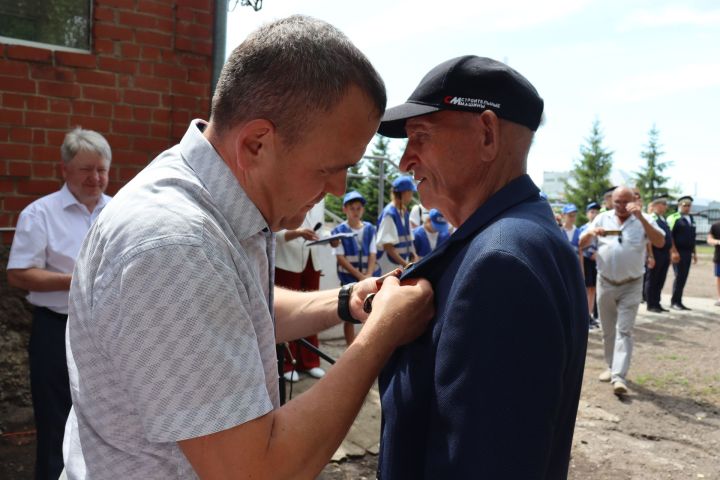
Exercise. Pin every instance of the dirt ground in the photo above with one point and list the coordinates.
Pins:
(668, 427)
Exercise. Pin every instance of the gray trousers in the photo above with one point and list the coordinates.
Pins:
(618, 307)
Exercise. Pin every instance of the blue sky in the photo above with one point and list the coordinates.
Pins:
(629, 64)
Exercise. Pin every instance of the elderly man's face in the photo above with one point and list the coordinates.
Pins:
(621, 198)
(86, 176)
(442, 153)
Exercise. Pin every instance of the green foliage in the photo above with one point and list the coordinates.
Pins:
(650, 179)
(369, 168)
(590, 176)
(60, 22)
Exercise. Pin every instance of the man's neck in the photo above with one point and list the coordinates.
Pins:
(355, 223)
(90, 203)
(622, 219)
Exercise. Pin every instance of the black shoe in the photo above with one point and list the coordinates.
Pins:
(679, 306)
(656, 309)
(663, 309)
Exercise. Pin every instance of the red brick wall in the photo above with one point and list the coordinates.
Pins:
(147, 76)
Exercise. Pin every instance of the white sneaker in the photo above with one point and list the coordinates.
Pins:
(316, 372)
(605, 376)
(291, 376)
(619, 388)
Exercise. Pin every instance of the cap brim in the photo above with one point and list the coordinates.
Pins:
(393, 122)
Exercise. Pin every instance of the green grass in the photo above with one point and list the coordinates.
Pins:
(705, 249)
(662, 381)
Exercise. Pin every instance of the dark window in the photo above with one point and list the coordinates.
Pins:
(57, 22)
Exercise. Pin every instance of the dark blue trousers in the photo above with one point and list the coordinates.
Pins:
(655, 279)
(681, 269)
(50, 389)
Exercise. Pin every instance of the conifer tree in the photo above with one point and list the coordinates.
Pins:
(650, 179)
(590, 176)
(367, 185)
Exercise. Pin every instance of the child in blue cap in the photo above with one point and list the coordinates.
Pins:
(356, 256)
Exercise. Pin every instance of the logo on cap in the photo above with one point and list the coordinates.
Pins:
(470, 102)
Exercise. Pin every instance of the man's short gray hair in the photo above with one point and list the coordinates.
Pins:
(287, 70)
(79, 140)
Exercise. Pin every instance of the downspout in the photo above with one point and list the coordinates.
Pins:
(219, 41)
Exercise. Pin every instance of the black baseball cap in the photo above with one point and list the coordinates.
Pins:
(685, 198)
(470, 84)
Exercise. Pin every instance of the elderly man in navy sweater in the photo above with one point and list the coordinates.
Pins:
(491, 389)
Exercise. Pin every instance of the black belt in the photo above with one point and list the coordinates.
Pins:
(620, 283)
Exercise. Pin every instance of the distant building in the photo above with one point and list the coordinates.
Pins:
(554, 184)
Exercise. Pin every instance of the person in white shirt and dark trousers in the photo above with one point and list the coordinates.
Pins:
(48, 237)
(622, 234)
(297, 268)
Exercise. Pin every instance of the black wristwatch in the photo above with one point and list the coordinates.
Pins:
(344, 303)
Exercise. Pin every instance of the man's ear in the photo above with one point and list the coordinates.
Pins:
(63, 170)
(254, 140)
(488, 125)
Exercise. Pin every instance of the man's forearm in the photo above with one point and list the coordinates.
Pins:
(656, 238)
(371, 264)
(391, 252)
(300, 314)
(296, 440)
(39, 280)
(336, 399)
(585, 239)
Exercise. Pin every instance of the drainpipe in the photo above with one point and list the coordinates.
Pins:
(219, 41)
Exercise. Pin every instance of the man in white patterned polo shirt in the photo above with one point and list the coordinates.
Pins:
(171, 329)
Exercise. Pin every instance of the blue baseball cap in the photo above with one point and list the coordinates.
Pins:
(403, 184)
(353, 195)
(592, 206)
(569, 208)
(438, 221)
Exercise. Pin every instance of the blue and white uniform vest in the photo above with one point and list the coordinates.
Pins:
(402, 225)
(422, 242)
(357, 250)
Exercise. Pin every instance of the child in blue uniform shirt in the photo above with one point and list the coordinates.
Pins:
(394, 232)
(356, 256)
(432, 233)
